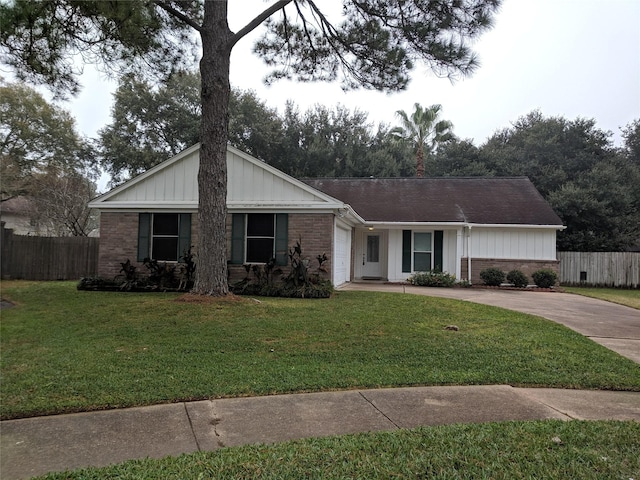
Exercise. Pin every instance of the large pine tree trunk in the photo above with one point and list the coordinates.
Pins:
(211, 272)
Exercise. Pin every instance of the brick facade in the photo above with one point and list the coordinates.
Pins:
(525, 266)
(315, 232)
(119, 241)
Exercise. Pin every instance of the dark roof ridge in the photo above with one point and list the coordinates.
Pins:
(466, 177)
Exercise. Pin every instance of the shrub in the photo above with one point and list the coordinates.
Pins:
(432, 279)
(300, 282)
(492, 277)
(545, 278)
(517, 278)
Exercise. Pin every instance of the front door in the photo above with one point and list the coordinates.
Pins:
(371, 265)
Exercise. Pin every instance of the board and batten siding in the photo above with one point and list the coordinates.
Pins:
(253, 183)
(513, 243)
(610, 269)
(178, 181)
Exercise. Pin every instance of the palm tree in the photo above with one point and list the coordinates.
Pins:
(423, 130)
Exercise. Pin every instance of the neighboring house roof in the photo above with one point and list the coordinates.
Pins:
(474, 200)
(17, 205)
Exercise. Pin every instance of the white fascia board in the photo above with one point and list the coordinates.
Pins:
(515, 225)
(147, 207)
(460, 224)
(406, 225)
(286, 204)
(352, 214)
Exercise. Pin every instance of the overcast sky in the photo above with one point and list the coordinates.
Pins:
(572, 58)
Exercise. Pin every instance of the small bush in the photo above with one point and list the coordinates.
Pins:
(432, 279)
(517, 278)
(545, 278)
(492, 277)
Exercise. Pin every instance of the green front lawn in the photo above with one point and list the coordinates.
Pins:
(630, 298)
(65, 350)
(547, 449)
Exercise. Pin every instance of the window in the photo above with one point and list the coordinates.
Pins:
(259, 237)
(373, 248)
(163, 236)
(421, 251)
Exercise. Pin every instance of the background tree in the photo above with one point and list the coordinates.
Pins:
(424, 132)
(374, 47)
(36, 137)
(254, 127)
(60, 204)
(150, 124)
(549, 150)
(589, 183)
(631, 137)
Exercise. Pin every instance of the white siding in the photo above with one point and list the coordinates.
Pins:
(178, 181)
(251, 184)
(449, 251)
(513, 243)
(394, 267)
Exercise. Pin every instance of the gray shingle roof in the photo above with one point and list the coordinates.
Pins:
(484, 200)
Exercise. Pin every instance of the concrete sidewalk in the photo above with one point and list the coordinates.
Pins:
(35, 446)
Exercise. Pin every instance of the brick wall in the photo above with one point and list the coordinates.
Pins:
(119, 242)
(315, 232)
(525, 266)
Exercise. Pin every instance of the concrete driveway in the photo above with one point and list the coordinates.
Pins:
(614, 326)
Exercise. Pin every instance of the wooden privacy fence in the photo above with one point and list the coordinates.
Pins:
(48, 258)
(610, 269)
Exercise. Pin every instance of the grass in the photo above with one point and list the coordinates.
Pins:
(630, 298)
(542, 449)
(67, 351)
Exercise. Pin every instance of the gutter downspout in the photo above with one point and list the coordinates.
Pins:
(469, 254)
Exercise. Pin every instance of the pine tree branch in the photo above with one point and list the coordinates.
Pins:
(178, 14)
(256, 22)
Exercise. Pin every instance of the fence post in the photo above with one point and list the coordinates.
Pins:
(6, 241)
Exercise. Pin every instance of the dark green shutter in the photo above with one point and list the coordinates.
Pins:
(237, 238)
(406, 250)
(144, 236)
(282, 238)
(437, 247)
(184, 238)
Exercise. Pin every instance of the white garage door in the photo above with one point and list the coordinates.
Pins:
(342, 256)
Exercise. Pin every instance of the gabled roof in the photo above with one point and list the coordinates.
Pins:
(473, 200)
